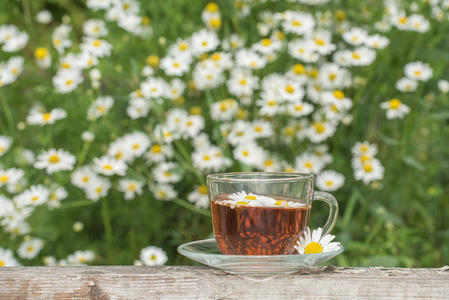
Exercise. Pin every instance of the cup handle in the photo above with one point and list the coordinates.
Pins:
(333, 210)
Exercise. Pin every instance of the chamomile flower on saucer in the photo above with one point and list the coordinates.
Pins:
(395, 109)
(314, 242)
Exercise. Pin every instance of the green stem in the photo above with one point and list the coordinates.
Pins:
(26, 11)
(78, 203)
(7, 113)
(107, 227)
(192, 207)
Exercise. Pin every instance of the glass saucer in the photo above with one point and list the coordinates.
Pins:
(207, 252)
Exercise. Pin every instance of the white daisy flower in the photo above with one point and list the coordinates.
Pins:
(15, 66)
(181, 48)
(406, 84)
(418, 70)
(356, 36)
(100, 107)
(96, 47)
(249, 153)
(159, 152)
(310, 243)
(97, 188)
(80, 257)
(364, 148)
(175, 89)
(308, 163)
(130, 187)
(199, 196)
(16, 42)
(10, 176)
(319, 131)
(418, 23)
(60, 37)
(204, 41)
(39, 118)
(109, 166)
(298, 109)
(362, 56)
(332, 76)
(81, 177)
(193, 125)
(267, 46)
(34, 196)
(95, 28)
(224, 110)
(242, 82)
(337, 98)
(246, 58)
(329, 181)
(29, 249)
(369, 171)
(153, 256)
(323, 42)
(303, 50)
(377, 41)
(175, 66)
(137, 142)
(138, 108)
(7, 258)
(98, 4)
(241, 132)
(66, 81)
(298, 22)
(164, 192)
(69, 62)
(207, 77)
(57, 194)
(443, 86)
(234, 42)
(163, 173)
(210, 158)
(153, 88)
(42, 57)
(55, 160)
(43, 17)
(262, 128)
(395, 109)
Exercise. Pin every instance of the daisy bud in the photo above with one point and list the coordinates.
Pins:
(78, 226)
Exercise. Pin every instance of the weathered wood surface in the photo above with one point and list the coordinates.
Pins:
(181, 282)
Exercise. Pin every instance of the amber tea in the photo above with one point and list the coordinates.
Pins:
(258, 225)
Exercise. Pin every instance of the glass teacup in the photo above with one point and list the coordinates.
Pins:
(263, 213)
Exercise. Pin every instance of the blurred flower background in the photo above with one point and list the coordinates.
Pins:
(112, 112)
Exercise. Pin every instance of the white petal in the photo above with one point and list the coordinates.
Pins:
(331, 247)
(326, 239)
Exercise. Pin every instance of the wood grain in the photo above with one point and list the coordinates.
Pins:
(182, 282)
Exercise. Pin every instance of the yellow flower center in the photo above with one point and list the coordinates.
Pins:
(320, 42)
(212, 7)
(250, 197)
(68, 82)
(53, 159)
(153, 60)
(99, 189)
(268, 163)
(156, 149)
(313, 248)
(215, 23)
(281, 203)
(167, 174)
(4, 179)
(216, 56)
(35, 198)
(299, 107)
(329, 183)
(107, 167)
(266, 42)
(402, 20)
(271, 103)
(153, 257)
(242, 203)
(243, 81)
(368, 168)
(2, 263)
(319, 127)
(296, 23)
(146, 21)
(204, 43)
(355, 55)
(132, 187)
(289, 131)
(85, 179)
(364, 148)
(65, 65)
(202, 189)
(365, 158)
(417, 72)
(245, 153)
(299, 69)
(289, 89)
(308, 165)
(57, 42)
(41, 53)
(96, 43)
(136, 146)
(339, 94)
(395, 103)
(46, 116)
(176, 64)
(30, 248)
(206, 157)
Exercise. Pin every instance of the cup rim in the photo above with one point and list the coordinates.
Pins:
(259, 176)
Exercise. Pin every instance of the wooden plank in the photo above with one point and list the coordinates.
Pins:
(182, 282)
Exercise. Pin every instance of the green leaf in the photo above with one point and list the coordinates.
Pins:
(440, 116)
(412, 162)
